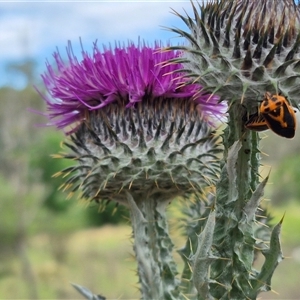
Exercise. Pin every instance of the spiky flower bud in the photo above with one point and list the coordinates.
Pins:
(242, 49)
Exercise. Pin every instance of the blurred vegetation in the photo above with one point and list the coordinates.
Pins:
(31, 204)
(47, 241)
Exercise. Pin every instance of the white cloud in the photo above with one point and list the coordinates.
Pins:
(33, 27)
(15, 36)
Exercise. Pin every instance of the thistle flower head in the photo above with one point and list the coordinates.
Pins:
(241, 49)
(138, 128)
(125, 75)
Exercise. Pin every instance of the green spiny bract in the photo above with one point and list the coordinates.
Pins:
(241, 49)
(196, 212)
(161, 148)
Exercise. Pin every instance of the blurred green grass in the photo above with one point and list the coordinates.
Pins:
(101, 259)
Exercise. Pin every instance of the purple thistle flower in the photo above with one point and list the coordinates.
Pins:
(135, 124)
(126, 75)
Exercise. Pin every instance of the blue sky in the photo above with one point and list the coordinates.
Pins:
(33, 29)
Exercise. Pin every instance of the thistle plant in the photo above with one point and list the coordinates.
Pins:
(138, 136)
(239, 50)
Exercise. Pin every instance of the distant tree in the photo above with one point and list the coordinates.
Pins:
(44, 167)
(25, 68)
(16, 136)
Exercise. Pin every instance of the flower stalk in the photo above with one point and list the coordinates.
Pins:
(153, 248)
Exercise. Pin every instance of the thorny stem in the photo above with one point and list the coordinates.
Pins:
(229, 207)
(153, 248)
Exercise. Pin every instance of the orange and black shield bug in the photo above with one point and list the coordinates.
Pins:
(279, 115)
(275, 113)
